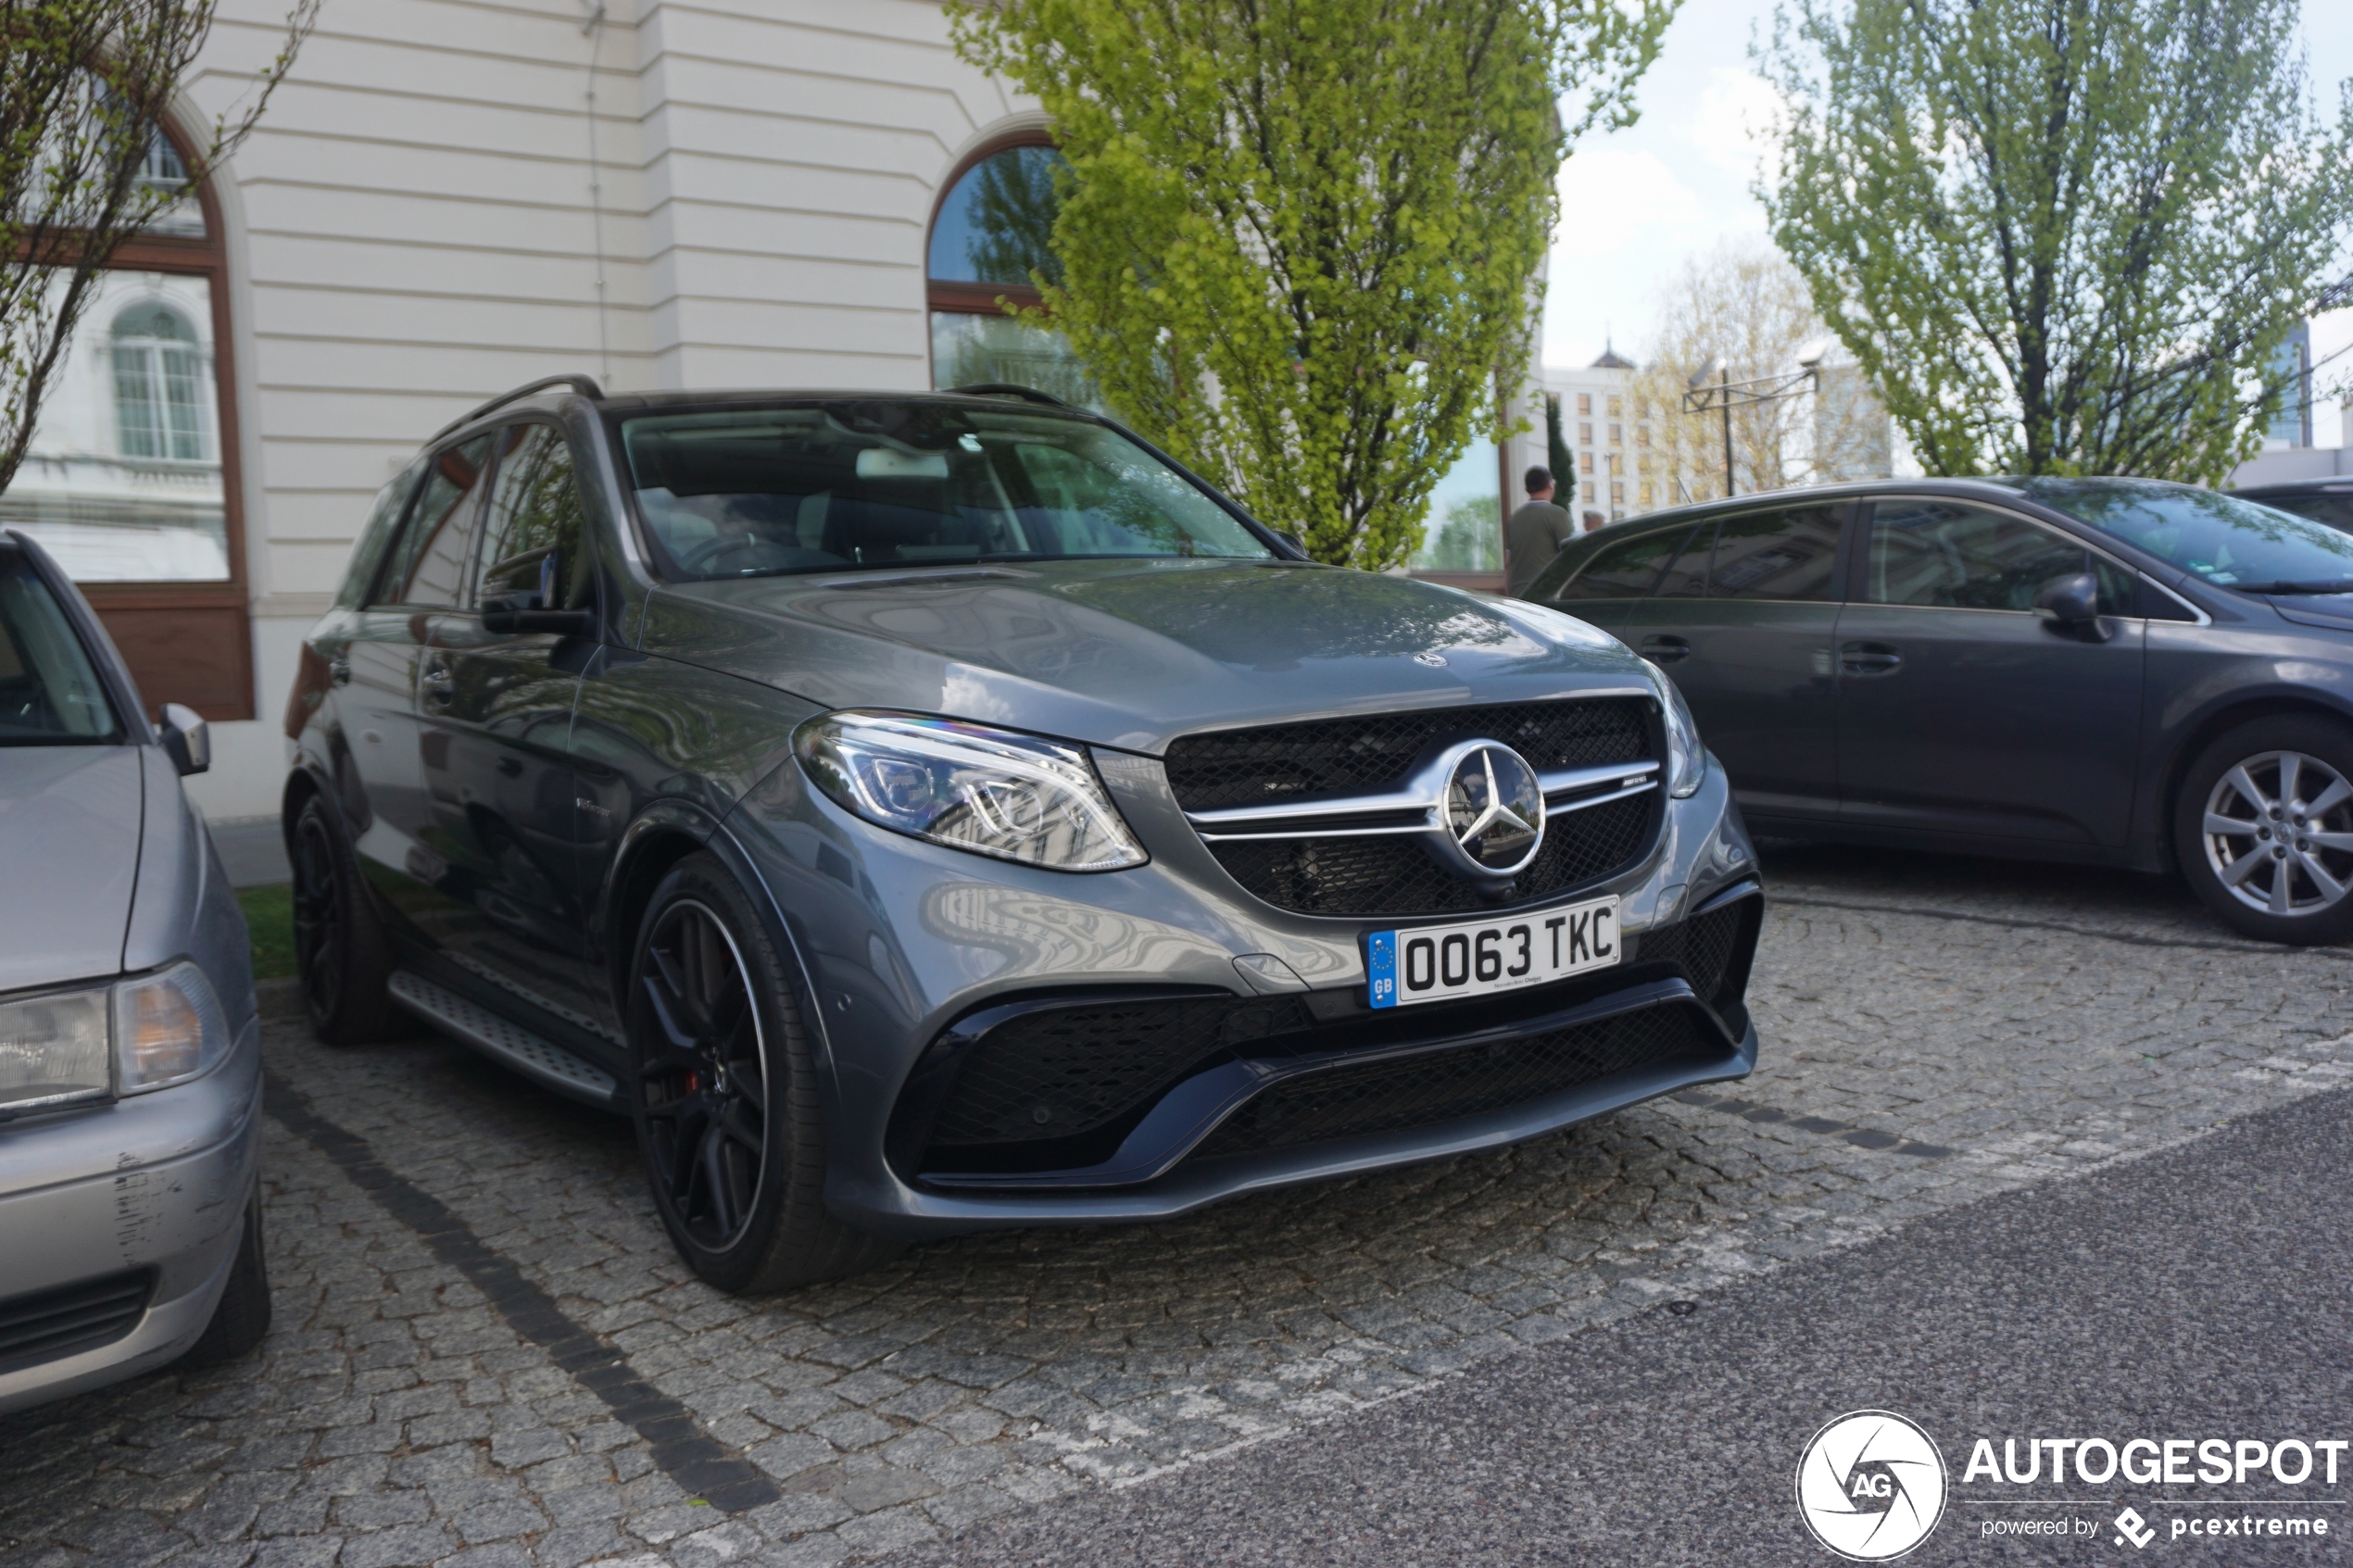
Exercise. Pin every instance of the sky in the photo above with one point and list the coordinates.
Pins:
(1636, 203)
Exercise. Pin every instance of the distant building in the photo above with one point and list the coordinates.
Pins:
(2291, 449)
(1608, 431)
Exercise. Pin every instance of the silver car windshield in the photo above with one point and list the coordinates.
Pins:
(846, 485)
(2230, 543)
(50, 694)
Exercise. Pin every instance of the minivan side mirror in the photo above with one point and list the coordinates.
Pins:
(1293, 540)
(185, 738)
(2070, 603)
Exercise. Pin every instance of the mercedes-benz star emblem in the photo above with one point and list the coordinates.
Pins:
(1495, 811)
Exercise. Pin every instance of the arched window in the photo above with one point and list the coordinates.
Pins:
(158, 385)
(988, 241)
(130, 479)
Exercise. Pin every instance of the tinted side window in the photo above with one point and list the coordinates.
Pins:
(1626, 569)
(1957, 556)
(533, 513)
(377, 533)
(1790, 553)
(429, 568)
(2333, 509)
(1687, 578)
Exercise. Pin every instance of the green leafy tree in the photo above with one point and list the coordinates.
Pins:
(2060, 236)
(1299, 238)
(84, 87)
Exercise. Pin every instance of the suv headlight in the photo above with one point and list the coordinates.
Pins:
(127, 1038)
(1686, 758)
(993, 792)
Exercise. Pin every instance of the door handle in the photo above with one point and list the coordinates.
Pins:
(438, 686)
(1664, 647)
(339, 670)
(1869, 658)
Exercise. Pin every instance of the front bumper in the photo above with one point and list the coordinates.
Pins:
(899, 941)
(150, 1189)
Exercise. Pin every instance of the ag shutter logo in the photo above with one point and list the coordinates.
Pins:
(1870, 1486)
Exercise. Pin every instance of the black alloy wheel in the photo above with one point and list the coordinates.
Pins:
(704, 1078)
(726, 1100)
(340, 954)
(2263, 829)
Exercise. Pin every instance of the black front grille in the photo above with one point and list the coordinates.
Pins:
(1394, 874)
(1064, 1071)
(1280, 762)
(1387, 1097)
(54, 1324)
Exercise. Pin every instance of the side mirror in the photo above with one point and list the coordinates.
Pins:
(2070, 603)
(528, 611)
(1293, 540)
(185, 739)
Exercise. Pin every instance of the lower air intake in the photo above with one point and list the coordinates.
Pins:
(52, 1325)
(1421, 1091)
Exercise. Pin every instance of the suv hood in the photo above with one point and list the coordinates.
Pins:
(1132, 654)
(70, 822)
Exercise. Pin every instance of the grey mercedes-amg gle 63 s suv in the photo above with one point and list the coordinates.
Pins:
(930, 812)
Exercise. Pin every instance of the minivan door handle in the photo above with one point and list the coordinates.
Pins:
(1664, 647)
(439, 689)
(1868, 659)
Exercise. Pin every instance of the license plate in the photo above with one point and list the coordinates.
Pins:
(1478, 957)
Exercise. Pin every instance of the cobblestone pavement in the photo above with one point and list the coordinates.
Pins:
(485, 1353)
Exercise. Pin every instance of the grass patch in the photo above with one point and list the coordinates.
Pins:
(269, 919)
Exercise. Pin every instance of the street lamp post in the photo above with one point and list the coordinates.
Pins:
(1755, 392)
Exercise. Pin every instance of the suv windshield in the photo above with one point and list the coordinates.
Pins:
(2228, 542)
(827, 487)
(50, 694)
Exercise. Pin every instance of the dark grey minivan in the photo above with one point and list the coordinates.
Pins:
(2103, 670)
(930, 812)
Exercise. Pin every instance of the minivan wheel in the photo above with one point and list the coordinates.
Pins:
(727, 1107)
(340, 951)
(2263, 829)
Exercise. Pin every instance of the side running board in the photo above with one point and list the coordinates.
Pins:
(506, 1042)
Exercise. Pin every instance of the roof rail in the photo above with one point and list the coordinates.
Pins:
(585, 386)
(1007, 389)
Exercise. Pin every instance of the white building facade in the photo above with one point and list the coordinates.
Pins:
(451, 198)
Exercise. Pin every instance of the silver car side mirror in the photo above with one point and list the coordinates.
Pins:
(186, 739)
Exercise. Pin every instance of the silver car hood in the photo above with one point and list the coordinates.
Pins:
(69, 832)
(1132, 654)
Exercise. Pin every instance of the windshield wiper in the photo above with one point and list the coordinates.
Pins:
(2324, 585)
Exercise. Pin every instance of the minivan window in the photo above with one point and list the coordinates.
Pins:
(1960, 556)
(754, 492)
(1790, 553)
(1626, 569)
(2223, 540)
(50, 694)
(428, 568)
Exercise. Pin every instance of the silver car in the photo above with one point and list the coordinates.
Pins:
(129, 1053)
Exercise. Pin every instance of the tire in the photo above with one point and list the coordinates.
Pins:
(2258, 855)
(728, 1113)
(243, 1315)
(341, 953)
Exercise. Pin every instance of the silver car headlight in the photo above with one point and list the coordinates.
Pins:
(1686, 758)
(128, 1038)
(55, 1049)
(993, 792)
